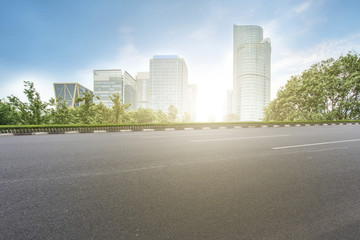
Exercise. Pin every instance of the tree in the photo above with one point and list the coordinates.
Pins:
(8, 114)
(60, 113)
(86, 111)
(102, 114)
(172, 113)
(328, 90)
(161, 117)
(145, 115)
(131, 116)
(118, 108)
(33, 112)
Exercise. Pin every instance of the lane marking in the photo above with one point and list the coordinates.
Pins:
(316, 144)
(241, 138)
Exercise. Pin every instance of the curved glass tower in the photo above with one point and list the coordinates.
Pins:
(251, 72)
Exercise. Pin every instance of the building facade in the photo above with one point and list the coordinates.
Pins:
(168, 83)
(69, 92)
(108, 82)
(251, 72)
(142, 89)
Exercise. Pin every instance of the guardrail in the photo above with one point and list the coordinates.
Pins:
(61, 129)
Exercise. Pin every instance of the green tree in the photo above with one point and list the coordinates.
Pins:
(118, 108)
(102, 114)
(145, 115)
(8, 114)
(172, 113)
(161, 117)
(86, 110)
(34, 111)
(328, 90)
(131, 116)
(60, 113)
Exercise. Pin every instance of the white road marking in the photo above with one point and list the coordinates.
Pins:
(240, 138)
(316, 144)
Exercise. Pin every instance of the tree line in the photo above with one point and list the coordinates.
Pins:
(328, 90)
(13, 111)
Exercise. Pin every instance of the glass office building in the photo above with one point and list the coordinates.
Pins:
(168, 83)
(69, 92)
(108, 82)
(251, 72)
(142, 89)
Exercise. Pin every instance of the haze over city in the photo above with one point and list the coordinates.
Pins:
(47, 42)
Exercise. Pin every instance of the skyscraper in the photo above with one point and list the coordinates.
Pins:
(251, 72)
(108, 82)
(168, 83)
(142, 89)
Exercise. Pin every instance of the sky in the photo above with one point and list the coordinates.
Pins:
(64, 41)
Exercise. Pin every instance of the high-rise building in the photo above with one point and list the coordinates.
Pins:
(251, 72)
(168, 83)
(108, 82)
(69, 92)
(142, 90)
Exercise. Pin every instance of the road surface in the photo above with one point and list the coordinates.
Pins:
(254, 183)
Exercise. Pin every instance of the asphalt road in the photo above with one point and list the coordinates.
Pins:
(263, 183)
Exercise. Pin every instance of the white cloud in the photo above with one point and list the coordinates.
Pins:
(131, 60)
(302, 7)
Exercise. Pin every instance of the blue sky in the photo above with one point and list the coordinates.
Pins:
(63, 41)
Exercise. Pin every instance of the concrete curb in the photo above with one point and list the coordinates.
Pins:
(72, 132)
(125, 130)
(40, 133)
(171, 129)
(6, 134)
(100, 131)
(148, 130)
